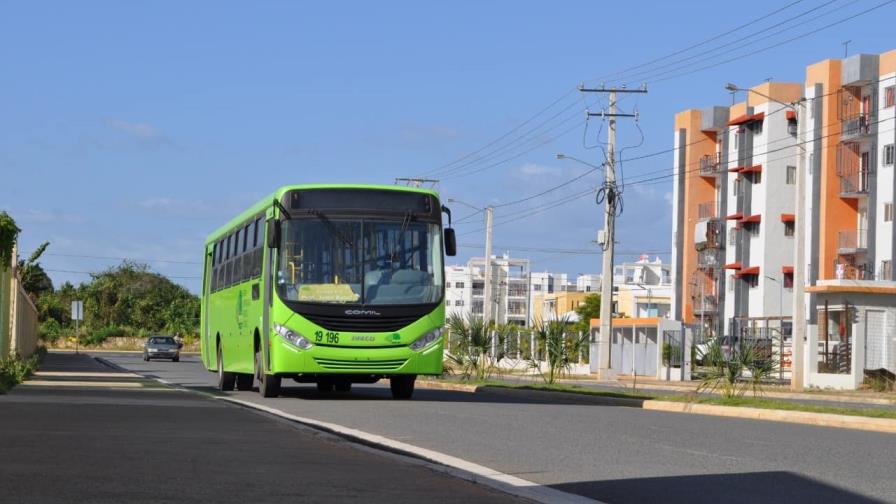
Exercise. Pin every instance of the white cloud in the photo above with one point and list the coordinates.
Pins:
(138, 130)
(532, 169)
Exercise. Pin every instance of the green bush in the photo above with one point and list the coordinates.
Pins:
(102, 334)
(49, 330)
(15, 370)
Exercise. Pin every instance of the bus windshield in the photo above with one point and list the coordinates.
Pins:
(360, 261)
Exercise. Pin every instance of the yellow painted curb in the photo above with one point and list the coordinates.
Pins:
(798, 417)
(439, 385)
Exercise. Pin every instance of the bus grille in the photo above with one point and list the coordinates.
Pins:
(368, 365)
(361, 324)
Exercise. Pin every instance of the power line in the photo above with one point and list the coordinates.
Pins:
(751, 38)
(772, 46)
(699, 44)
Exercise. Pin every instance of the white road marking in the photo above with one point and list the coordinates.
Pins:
(454, 466)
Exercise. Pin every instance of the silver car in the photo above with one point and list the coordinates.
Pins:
(161, 347)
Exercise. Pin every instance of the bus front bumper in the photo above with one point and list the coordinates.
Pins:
(287, 359)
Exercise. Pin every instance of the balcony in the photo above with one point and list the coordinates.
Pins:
(852, 242)
(710, 165)
(708, 234)
(705, 304)
(845, 270)
(855, 184)
(856, 127)
(708, 260)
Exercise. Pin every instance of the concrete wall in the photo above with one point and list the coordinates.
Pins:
(18, 315)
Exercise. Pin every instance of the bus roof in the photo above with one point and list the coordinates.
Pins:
(265, 202)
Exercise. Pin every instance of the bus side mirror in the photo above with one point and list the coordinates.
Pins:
(450, 242)
(273, 233)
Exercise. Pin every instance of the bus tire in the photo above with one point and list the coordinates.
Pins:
(268, 385)
(343, 386)
(244, 381)
(402, 386)
(226, 379)
(324, 385)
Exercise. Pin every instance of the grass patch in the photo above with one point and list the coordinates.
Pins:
(775, 404)
(751, 402)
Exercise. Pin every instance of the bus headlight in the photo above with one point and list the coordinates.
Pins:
(426, 339)
(292, 337)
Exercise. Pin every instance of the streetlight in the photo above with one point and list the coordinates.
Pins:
(799, 270)
(486, 291)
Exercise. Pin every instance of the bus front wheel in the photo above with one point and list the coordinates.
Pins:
(226, 379)
(268, 385)
(402, 386)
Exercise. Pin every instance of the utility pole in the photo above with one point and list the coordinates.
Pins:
(798, 319)
(487, 284)
(608, 235)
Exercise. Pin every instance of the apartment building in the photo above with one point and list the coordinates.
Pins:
(734, 206)
(511, 294)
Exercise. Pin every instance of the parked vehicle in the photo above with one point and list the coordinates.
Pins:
(161, 347)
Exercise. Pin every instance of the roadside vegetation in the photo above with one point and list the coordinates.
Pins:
(478, 349)
(15, 370)
(561, 348)
(124, 302)
(734, 371)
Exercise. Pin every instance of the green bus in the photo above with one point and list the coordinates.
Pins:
(330, 284)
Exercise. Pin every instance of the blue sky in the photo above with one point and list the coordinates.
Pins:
(133, 130)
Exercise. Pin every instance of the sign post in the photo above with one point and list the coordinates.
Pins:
(77, 316)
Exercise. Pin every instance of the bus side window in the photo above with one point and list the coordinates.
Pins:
(245, 271)
(219, 273)
(214, 266)
(228, 275)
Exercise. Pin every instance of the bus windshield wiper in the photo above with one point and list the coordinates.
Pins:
(327, 222)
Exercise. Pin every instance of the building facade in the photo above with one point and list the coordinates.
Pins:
(734, 207)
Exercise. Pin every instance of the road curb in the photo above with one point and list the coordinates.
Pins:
(885, 425)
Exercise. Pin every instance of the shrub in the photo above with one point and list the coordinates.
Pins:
(49, 330)
(472, 355)
(15, 370)
(560, 347)
(100, 335)
(727, 368)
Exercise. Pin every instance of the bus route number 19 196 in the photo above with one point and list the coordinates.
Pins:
(326, 337)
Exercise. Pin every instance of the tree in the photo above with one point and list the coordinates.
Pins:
(9, 232)
(35, 280)
(586, 311)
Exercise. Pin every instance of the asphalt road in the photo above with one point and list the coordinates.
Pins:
(614, 454)
(102, 444)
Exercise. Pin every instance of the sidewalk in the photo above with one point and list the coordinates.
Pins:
(626, 383)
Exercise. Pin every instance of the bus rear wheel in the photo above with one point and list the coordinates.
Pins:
(268, 385)
(226, 379)
(402, 386)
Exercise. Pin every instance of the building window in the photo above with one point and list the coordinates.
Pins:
(886, 270)
(788, 228)
(536, 287)
(788, 280)
(791, 175)
(752, 281)
(735, 187)
(756, 178)
(889, 154)
(459, 302)
(752, 228)
(447, 285)
(889, 99)
(459, 285)
(888, 212)
(732, 237)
